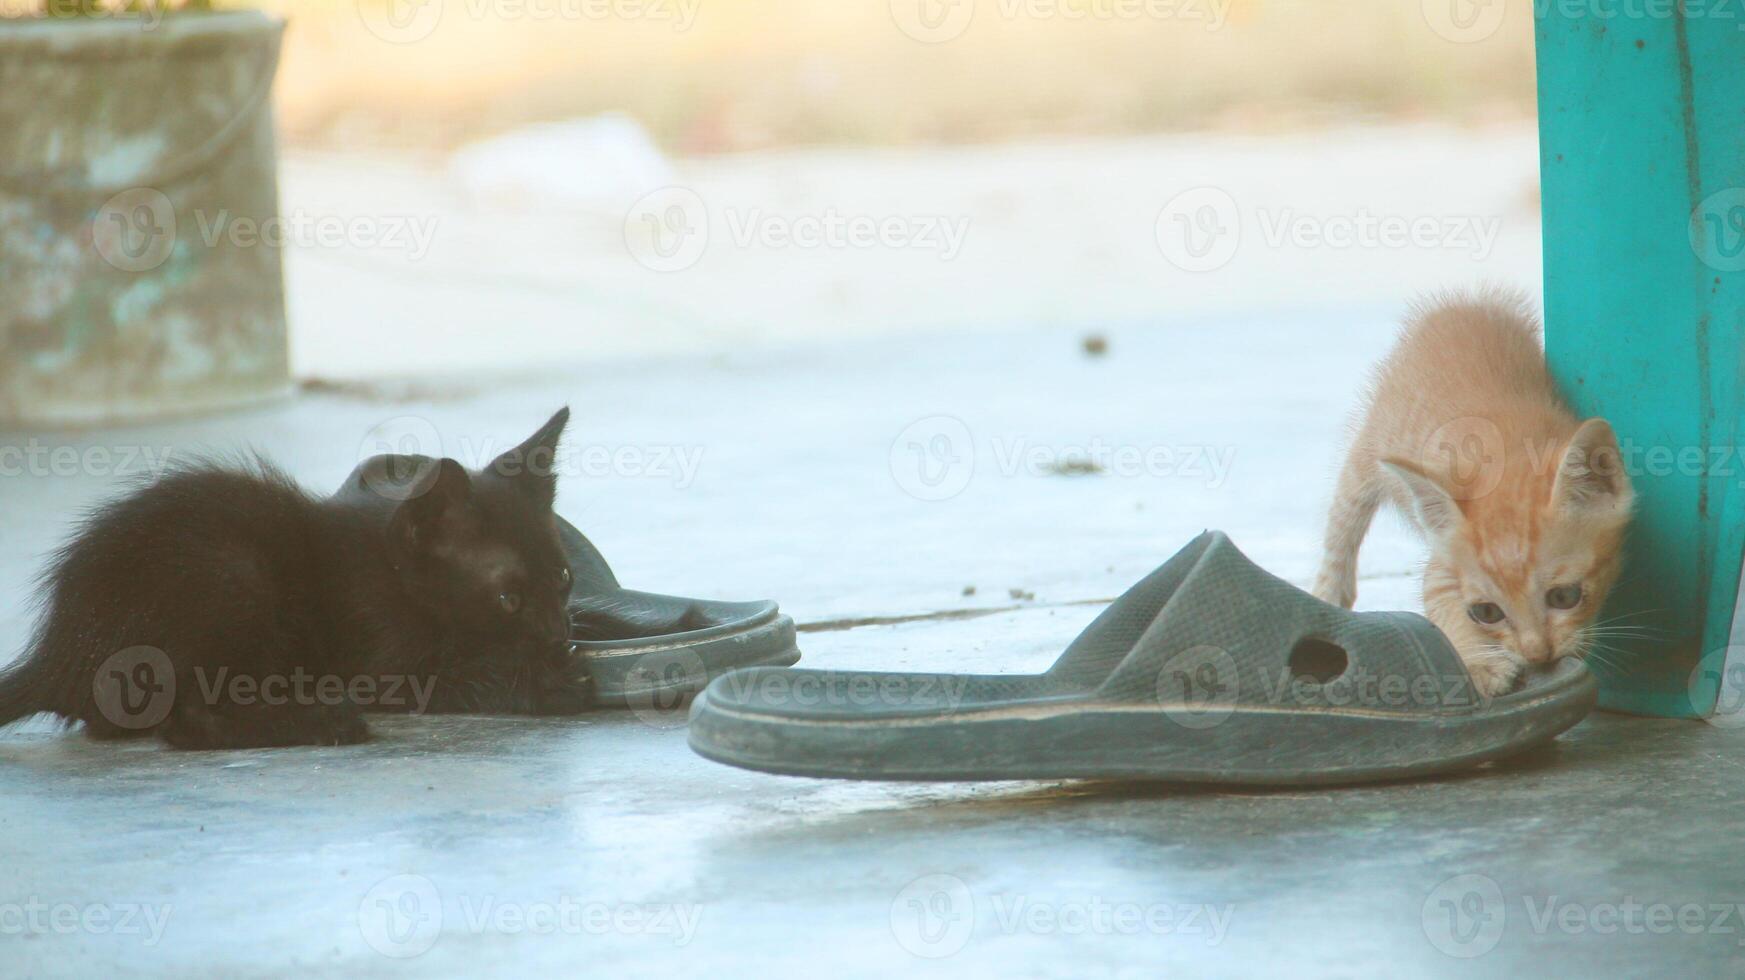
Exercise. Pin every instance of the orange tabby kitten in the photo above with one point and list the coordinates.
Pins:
(1524, 507)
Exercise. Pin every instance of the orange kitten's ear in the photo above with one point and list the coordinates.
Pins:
(1434, 506)
(1591, 477)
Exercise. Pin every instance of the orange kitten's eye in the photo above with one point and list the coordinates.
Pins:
(1564, 597)
(1488, 613)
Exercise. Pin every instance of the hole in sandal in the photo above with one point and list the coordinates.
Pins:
(1317, 660)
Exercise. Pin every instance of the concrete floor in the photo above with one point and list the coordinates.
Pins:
(482, 845)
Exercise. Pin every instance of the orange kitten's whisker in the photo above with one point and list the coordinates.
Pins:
(1631, 615)
(1608, 655)
(1628, 630)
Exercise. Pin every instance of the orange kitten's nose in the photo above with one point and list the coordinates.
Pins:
(1536, 649)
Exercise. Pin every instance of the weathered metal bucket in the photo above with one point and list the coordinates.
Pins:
(129, 148)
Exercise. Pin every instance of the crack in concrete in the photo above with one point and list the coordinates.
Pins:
(951, 615)
(856, 622)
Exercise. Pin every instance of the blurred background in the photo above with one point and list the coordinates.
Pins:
(490, 173)
(710, 77)
(858, 257)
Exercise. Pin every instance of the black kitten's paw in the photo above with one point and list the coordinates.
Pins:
(564, 686)
(342, 727)
(263, 727)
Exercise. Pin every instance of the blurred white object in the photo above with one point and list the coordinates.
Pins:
(601, 163)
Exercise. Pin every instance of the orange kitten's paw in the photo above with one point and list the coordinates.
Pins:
(1493, 673)
(1335, 592)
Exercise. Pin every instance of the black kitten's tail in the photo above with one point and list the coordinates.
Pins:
(21, 690)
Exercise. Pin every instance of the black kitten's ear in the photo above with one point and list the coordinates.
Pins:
(532, 466)
(424, 517)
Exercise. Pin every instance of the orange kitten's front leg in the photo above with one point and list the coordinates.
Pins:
(1355, 500)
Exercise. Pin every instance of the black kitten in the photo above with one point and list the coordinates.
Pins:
(226, 608)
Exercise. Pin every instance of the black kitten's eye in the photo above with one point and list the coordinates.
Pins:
(1488, 613)
(1564, 597)
(563, 580)
(510, 602)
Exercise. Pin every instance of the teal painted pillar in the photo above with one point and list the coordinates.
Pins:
(1642, 163)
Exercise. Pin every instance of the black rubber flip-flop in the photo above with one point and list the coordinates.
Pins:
(644, 650)
(1208, 670)
(651, 650)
